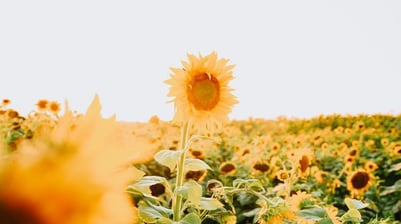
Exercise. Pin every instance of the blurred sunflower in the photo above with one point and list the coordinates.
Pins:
(371, 166)
(261, 167)
(198, 176)
(358, 182)
(5, 102)
(282, 175)
(228, 168)
(74, 172)
(200, 90)
(42, 104)
(54, 107)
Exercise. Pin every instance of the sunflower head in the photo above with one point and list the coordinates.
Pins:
(200, 91)
(228, 168)
(358, 182)
(5, 102)
(42, 104)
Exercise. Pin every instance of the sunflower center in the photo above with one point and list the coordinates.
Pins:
(13, 213)
(228, 168)
(204, 91)
(304, 163)
(360, 180)
(157, 189)
(262, 167)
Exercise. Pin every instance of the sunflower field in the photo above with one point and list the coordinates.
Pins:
(60, 166)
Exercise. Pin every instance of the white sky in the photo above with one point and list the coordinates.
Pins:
(294, 58)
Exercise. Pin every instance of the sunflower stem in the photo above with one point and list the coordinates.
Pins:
(177, 199)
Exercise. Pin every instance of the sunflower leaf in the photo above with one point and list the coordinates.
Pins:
(315, 213)
(192, 191)
(191, 218)
(168, 158)
(393, 188)
(355, 204)
(352, 215)
(210, 203)
(148, 214)
(144, 184)
(395, 167)
(195, 165)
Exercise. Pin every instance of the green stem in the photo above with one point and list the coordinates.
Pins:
(177, 199)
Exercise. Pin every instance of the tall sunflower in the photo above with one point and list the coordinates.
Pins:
(201, 92)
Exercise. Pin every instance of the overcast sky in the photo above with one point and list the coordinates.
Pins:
(293, 58)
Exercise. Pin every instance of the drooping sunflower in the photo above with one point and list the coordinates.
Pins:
(201, 92)
(358, 182)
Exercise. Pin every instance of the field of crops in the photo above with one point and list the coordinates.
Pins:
(328, 169)
(201, 167)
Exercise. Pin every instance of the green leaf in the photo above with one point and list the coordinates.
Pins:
(210, 203)
(191, 218)
(315, 213)
(192, 191)
(144, 184)
(352, 215)
(325, 221)
(195, 165)
(168, 158)
(164, 220)
(147, 213)
(393, 188)
(355, 204)
(395, 167)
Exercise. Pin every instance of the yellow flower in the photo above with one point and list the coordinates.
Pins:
(384, 141)
(261, 167)
(358, 182)
(296, 200)
(5, 102)
(282, 175)
(198, 176)
(74, 172)
(197, 153)
(275, 219)
(54, 107)
(42, 104)
(200, 90)
(275, 147)
(228, 168)
(332, 214)
(371, 166)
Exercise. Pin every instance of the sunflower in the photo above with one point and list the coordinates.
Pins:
(358, 182)
(5, 102)
(282, 175)
(371, 166)
(261, 167)
(197, 153)
(298, 200)
(275, 147)
(198, 176)
(228, 168)
(200, 90)
(54, 107)
(42, 104)
(74, 172)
